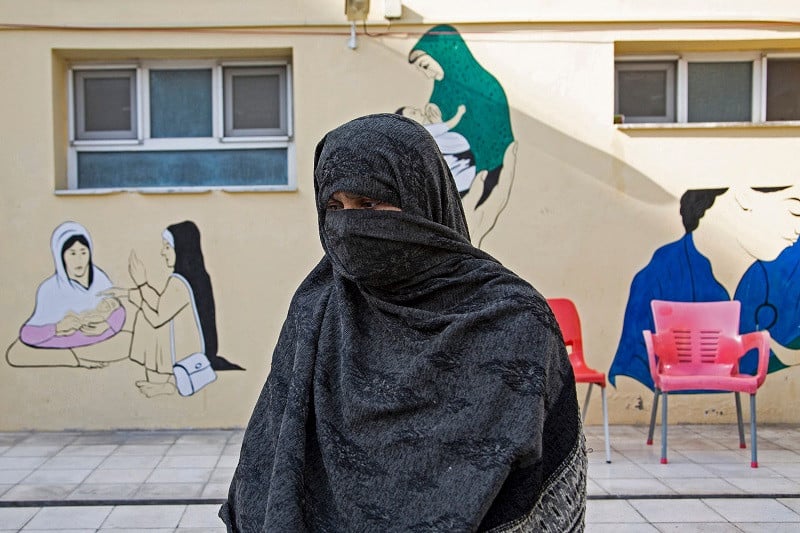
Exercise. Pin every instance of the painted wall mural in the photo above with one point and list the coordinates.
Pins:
(757, 228)
(83, 320)
(468, 115)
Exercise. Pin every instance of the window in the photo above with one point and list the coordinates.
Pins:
(783, 89)
(645, 91)
(181, 124)
(105, 104)
(708, 88)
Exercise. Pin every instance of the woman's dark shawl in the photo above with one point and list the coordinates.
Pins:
(486, 124)
(417, 384)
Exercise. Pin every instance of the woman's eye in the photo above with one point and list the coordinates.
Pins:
(370, 204)
(333, 206)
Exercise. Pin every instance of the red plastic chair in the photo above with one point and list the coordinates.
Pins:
(697, 348)
(570, 324)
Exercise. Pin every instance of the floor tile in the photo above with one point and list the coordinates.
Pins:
(791, 503)
(19, 463)
(201, 516)
(142, 449)
(123, 462)
(699, 527)
(56, 477)
(23, 450)
(760, 527)
(169, 490)
(180, 475)
(620, 528)
(112, 475)
(215, 490)
(599, 511)
(676, 511)
(15, 517)
(104, 491)
(633, 486)
(38, 492)
(768, 486)
(231, 461)
(221, 475)
(677, 471)
(189, 461)
(71, 463)
(195, 449)
(618, 470)
(145, 516)
(87, 450)
(699, 485)
(13, 476)
(752, 510)
(63, 518)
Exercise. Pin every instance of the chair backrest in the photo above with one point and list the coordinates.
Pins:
(698, 330)
(567, 317)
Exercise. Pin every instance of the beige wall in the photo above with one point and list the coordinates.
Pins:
(589, 205)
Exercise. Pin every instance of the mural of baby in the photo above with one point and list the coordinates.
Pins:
(72, 323)
(454, 146)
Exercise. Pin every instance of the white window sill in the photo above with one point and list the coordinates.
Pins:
(176, 190)
(707, 125)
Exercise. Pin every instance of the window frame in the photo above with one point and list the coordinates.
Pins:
(78, 104)
(671, 68)
(144, 143)
(231, 133)
(758, 81)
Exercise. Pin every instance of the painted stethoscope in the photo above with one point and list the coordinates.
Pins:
(766, 314)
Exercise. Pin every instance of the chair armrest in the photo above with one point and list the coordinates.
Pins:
(760, 341)
(649, 341)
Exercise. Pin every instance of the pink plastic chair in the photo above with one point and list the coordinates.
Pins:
(697, 348)
(567, 317)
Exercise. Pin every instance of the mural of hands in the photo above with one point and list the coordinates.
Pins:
(136, 269)
(68, 325)
(482, 218)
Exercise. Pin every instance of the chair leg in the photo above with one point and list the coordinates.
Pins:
(586, 402)
(653, 417)
(753, 447)
(739, 419)
(664, 430)
(605, 424)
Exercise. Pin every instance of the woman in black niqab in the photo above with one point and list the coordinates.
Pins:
(417, 384)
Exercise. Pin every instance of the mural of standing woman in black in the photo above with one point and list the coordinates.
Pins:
(189, 264)
(178, 321)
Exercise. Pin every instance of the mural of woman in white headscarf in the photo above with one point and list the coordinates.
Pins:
(73, 323)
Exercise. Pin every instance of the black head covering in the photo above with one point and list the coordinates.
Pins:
(417, 385)
(189, 264)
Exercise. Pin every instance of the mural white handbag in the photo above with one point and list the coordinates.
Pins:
(191, 373)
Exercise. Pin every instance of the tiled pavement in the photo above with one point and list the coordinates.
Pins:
(173, 481)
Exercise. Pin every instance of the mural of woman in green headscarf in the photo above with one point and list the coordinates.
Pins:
(459, 80)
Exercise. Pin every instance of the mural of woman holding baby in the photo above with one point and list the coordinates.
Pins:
(460, 82)
(74, 323)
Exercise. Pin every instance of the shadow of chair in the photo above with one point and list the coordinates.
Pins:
(696, 348)
(568, 320)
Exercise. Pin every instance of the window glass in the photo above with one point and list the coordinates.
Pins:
(255, 101)
(783, 89)
(180, 103)
(105, 104)
(720, 92)
(645, 92)
(183, 168)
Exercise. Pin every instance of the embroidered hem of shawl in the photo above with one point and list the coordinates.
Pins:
(562, 504)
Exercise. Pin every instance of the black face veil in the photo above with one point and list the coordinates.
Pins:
(417, 384)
